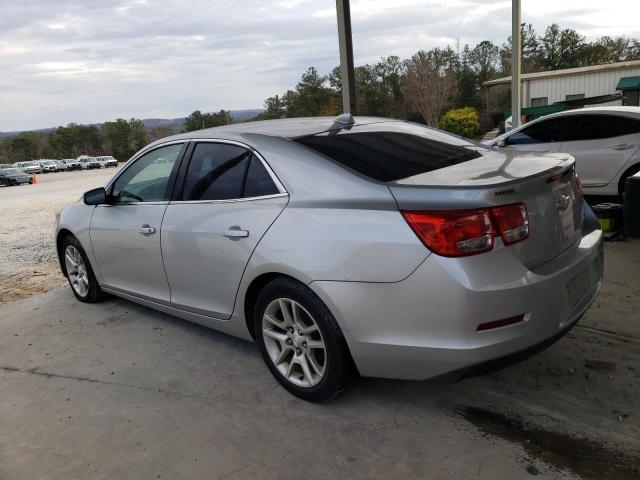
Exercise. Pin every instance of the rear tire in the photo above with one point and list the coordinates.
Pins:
(79, 273)
(301, 342)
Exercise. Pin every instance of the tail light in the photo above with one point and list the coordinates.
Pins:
(512, 222)
(458, 233)
(578, 184)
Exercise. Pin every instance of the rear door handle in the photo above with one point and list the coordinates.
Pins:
(236, 233)
(622, 146)
(147, 230)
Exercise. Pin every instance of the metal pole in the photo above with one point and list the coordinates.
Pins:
(516, 61)
(346, 56)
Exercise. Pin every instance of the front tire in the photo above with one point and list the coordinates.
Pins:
(79, 272)
(301, 342)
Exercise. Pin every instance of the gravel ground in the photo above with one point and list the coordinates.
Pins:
(28, 263)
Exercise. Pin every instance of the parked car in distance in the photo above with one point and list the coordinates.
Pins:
(87, 163)
(14, 176)
(48, 166)
(372, 244)
(29, 167)
(62, 166)
(605, 142)
(107, 161)
(71, 163)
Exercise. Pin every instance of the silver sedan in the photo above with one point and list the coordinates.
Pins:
(361, 245)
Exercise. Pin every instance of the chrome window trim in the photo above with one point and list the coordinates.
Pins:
(231, 200)
(111, 205)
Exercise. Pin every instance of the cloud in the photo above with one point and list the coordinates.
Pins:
(89, 61)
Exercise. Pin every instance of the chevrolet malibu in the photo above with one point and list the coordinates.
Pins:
(366, 245)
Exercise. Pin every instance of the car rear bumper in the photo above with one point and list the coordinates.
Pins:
(426, 325)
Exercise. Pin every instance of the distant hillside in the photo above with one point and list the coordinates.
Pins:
(237, 116)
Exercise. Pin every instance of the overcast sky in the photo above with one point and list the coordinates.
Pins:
(89, 61)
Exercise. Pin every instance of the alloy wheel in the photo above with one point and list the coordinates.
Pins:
(76, 271)
(294, 342)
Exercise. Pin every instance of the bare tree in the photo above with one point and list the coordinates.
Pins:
(430, 84)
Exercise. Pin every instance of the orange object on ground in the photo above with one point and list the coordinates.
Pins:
(34, 179)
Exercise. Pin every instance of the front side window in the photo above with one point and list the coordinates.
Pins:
(220, 171)
(147, 179)
(594, 127)
(545, 131)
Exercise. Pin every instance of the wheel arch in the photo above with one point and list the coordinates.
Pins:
(252, 292)
(632, 170)
(60, 236)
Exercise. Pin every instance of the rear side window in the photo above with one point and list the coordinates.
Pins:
(545, 131)
(258, 182)
(392, 151)
(216, 172)
(594, 127)
(220, 171)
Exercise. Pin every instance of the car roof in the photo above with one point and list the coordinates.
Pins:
(284, 127)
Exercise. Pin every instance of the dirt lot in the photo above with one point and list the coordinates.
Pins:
(115, 390)
(28, 262)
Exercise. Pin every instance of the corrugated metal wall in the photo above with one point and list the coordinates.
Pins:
(591, 84)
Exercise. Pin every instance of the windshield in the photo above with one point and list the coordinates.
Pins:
(27, 164)
(11, 171)
(49, 162)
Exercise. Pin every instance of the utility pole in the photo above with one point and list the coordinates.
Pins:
(516, 62)
(346, 56)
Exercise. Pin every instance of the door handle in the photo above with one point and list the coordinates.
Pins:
(622, 146)
(236, 233)
(147, 230)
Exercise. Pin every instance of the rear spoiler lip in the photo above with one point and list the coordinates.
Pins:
(566, 164)
(446, 197)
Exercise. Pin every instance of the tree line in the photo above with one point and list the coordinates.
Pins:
(420, 88)
(430, 82)
(120, 138)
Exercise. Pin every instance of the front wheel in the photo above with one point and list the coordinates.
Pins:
(301, 342)
(79, 272)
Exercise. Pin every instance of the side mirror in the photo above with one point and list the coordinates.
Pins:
(97, 196)
(502, 143)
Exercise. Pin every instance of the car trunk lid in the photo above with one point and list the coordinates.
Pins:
(545, 183)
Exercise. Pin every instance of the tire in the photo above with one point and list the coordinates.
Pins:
(93, 293)
(329, 367)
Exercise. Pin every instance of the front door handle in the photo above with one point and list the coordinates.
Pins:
(147, 230)
(236, 233)
(622, 146)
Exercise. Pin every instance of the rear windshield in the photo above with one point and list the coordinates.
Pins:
(388, 151)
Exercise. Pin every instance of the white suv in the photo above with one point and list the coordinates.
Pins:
(604, 140)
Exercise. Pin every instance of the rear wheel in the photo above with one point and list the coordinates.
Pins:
(301, 342)
(79, 272)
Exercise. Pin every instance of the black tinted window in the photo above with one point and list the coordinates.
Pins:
(593, 127)
(258, 181)
(391, 151)
(216, 172)
(545, 131)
